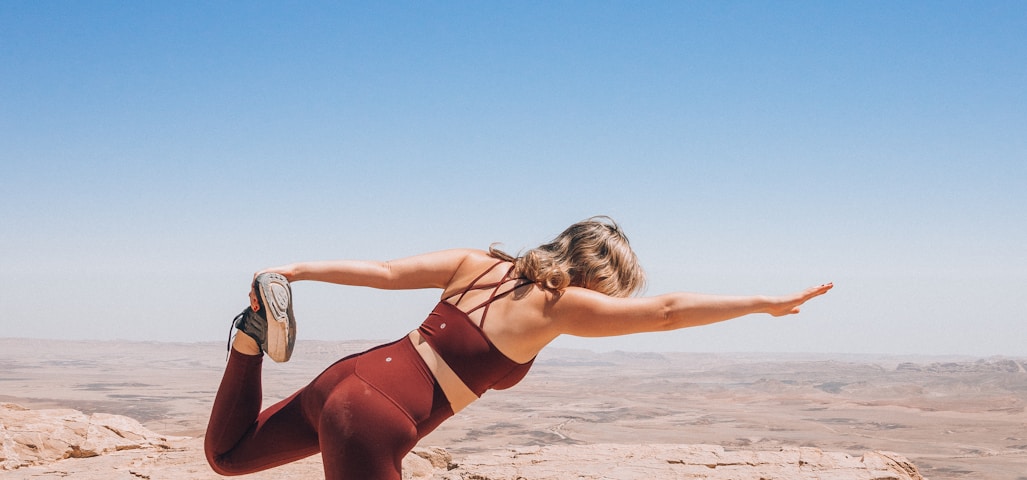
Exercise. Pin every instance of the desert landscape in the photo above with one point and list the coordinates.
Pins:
(952, 417)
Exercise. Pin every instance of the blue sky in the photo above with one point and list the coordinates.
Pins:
(155, 154)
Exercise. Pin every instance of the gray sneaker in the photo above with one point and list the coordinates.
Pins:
(273, 325)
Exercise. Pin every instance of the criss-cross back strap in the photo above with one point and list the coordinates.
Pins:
(495, 289)
(472, 286)
(494, 296)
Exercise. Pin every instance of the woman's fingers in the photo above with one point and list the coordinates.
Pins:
(254, 304)
(791, 307)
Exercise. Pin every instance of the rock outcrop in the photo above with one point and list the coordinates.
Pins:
(35, 437)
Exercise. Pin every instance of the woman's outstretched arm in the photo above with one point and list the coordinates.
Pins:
(430, 270)
(584, 313)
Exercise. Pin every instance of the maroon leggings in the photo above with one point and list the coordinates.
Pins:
(364, 414)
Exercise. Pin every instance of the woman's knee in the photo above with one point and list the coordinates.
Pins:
(220, 466)
(216, 454)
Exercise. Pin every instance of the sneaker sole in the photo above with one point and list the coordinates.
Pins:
(276, 296)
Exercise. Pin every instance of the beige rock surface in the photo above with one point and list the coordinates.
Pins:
(35, 437)
(647, 462)
(955, 418)
(67, 443)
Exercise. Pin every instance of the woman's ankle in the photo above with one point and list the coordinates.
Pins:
(245, 345)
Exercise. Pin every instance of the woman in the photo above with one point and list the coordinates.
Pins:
(367, 411)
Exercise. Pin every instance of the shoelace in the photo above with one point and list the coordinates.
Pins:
(235, 322)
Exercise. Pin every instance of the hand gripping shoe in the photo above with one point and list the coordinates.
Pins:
(273, 325)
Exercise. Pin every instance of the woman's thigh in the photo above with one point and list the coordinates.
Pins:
(368, 418)
(363, 433)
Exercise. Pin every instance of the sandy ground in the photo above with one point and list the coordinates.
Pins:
(955, 418)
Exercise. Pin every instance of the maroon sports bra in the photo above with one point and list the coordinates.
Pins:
(464, 346)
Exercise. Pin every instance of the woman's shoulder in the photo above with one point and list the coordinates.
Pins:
(459, 257)
(473, 262)
(583, 302)
(577, 297)
(476, 259)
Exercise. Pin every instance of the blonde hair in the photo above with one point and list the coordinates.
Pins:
(593, 254)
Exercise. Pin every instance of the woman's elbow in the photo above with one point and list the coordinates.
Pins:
(664, 320)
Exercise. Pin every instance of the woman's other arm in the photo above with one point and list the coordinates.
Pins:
(585, 313)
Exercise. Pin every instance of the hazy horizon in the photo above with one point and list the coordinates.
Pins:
(586, 348)
(155, 155)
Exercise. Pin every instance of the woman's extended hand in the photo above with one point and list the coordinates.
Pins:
(789, 304)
